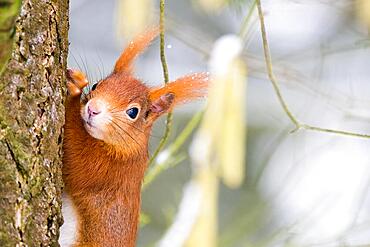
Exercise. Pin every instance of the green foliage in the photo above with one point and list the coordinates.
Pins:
(8, 12)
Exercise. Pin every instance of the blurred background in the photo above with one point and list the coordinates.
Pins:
(304, 188)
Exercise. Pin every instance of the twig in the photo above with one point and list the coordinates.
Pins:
(269, 66)
(293, 119)
(162, 41)
(159, 167)
(340, 132)
(243, 29)
(166, 80)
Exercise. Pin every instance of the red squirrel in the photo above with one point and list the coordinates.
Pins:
(106, 145)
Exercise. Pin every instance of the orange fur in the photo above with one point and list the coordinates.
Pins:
(104, 177)
(189, 87)
(134, 49)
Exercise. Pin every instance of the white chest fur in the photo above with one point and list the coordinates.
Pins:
(68, 229)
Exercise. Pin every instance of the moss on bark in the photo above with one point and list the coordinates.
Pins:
(31, 120)
(8, 12)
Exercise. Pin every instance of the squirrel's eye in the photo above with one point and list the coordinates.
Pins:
(94, 87)
(132, 112)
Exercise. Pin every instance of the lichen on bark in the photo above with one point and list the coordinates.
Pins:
(31, 120)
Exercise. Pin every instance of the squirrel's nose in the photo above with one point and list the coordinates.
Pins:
(93, 110)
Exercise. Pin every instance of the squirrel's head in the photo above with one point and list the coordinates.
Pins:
(120, 109)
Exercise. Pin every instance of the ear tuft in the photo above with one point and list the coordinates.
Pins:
(134, 48)
(184, 89)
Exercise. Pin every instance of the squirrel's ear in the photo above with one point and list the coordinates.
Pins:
(184, 89)
(134, 48)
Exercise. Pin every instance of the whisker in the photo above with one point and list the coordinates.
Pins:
(120, 107)
(84, 67)
(119, 134)
(97, 72)
(76, 62)
(116, 107)
(127, 134)
(87, 89)
(134, 98)
(101, 64)
(133, 126)
(88, 71)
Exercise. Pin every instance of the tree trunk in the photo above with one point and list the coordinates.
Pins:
(32, 90)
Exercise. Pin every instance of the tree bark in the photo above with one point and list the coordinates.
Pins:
(32, 90)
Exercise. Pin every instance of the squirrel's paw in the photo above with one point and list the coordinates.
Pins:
(76, 81)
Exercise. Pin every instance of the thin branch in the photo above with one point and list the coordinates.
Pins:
(269, 67)
(162, 41)
(293, 119)
(166, 80)
(243, 29)
(161, 166)
(340, 132)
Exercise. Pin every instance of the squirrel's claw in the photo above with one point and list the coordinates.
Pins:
(76, 82)
(73, 89)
